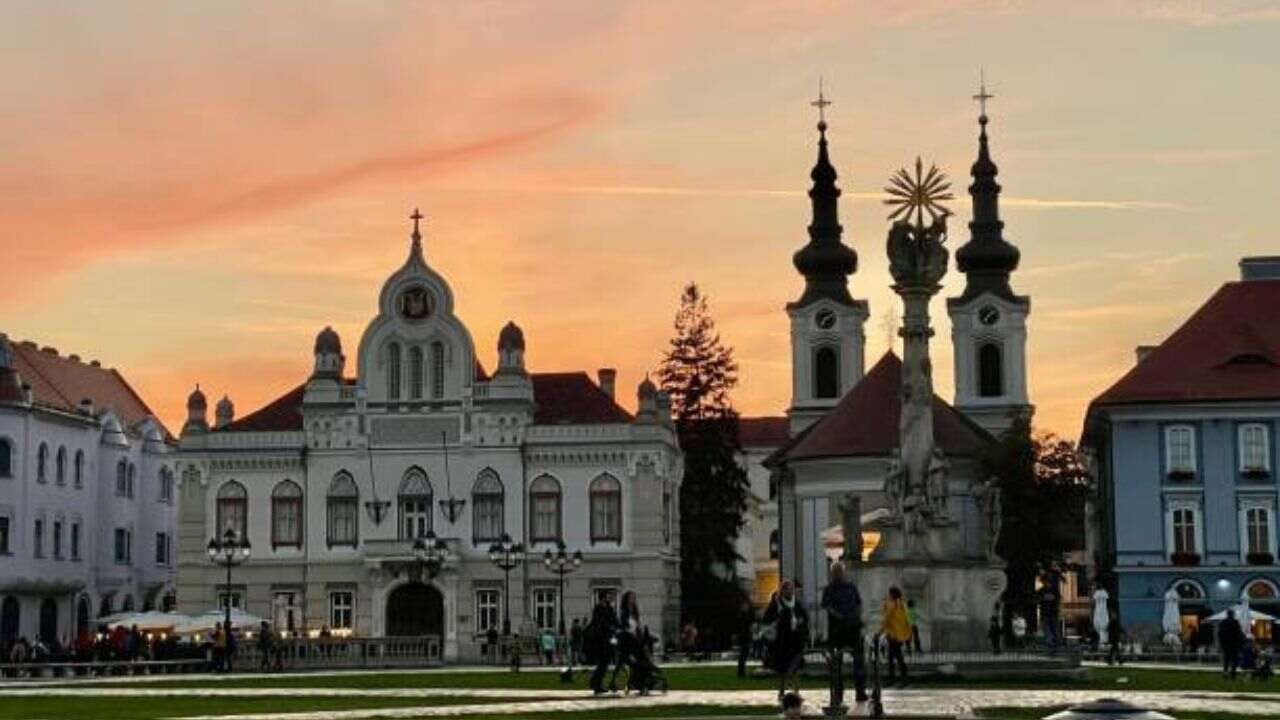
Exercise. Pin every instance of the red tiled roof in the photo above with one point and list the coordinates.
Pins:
(282, 414)
(60, 382)
(865, 422)
(1229, 349)
(572, 398)
(756, 432)
(560, 398)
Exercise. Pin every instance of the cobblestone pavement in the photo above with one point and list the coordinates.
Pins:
(941, 701)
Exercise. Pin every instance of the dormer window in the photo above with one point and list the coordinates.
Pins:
(1255, 449)
(1180, 451)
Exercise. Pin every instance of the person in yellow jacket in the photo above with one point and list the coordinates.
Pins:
(896, 627)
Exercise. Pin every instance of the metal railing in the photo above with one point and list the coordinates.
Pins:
(300, 653)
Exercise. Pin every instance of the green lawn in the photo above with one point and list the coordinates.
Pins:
(70, 707)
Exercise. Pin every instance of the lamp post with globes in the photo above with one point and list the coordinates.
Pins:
(228, 552)
(562, 563)
(507, 556)
(431, 553)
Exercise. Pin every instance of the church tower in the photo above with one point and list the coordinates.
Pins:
(827, 335)
(989, 321)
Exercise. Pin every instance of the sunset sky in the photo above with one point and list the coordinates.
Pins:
(191, 190)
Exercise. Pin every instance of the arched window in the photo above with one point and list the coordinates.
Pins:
(393, 371)
(166, 484)
(990, 370)
(122, 477)
(6, 458)
(437, 370)
(286, 515)
(79, 469)
(415, 373)
(487, 508)
(668, 512)
(544, 510)
(233, 510)
(606, 509)
(826, 373)
(60, 466)
(1263, 590)
(42, 463)
(1189, 591)
(133, 472)
(414, 501)
(341, 503)
(105, 605)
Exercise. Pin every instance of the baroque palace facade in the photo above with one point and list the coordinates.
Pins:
(334, 481)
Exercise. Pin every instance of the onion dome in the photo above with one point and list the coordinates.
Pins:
(511, 337)
(327, 341)
(825, 262)
(987, 259)
(196, 400)
(647, 389)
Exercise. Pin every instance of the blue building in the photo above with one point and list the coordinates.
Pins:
(1184, 446)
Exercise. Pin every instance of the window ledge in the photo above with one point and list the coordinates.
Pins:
(1181, 476)
(1184, 559)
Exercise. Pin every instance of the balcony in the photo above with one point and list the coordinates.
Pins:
(1184, 559)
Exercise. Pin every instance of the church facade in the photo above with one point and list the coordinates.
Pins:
(335, 481)
(845, 419)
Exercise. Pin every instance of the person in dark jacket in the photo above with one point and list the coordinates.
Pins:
(843, 604)
(746, 619)
(598, 639)
(790, 627)
(1115, 634)
(1230, 641)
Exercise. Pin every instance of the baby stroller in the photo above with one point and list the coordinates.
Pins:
(635, 667)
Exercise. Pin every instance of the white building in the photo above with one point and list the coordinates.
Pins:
(86, 496)
(335, 480)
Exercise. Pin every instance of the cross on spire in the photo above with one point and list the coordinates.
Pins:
(983, 96)
(415, 217)
(821, 103)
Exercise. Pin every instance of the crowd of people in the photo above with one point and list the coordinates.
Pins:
(105, 644)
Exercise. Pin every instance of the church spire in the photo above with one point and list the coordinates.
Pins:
(987, 259)
(825, 262)
(415, 247)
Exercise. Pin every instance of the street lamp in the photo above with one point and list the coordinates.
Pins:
(431, 552)
(228, 552)
(562, 563)
(508, 556)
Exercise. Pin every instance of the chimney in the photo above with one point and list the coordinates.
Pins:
(1260, 268)
(1142, 351)
(86, 406)
(608, 380)
(28, 396)
(73, 357)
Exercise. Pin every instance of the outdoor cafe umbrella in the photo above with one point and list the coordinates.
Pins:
(1172, 621)
(205, 622)
(148, 620)
(1244, 614)
(1254, 616)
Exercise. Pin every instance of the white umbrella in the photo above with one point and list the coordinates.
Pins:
(1100, 615)
(1254, 616)
(1244, 614)
(205, 622)
(1172, 621)
(149, 620)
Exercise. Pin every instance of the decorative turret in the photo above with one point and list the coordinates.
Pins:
(825, 262)
(647, 401)
(224, 413)
(511, 349)
(329, 360)
(11, 389)
(197, 406)
(987, 259)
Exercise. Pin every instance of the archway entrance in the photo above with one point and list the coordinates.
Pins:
(415, 609)
(10, 614)
(49, 620)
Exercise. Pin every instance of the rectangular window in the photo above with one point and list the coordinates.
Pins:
(545, 607)
(342, 521)
(285, 605)
(57, 539)
(1180, 449)
(488, 517)
(546, 516)
(1257, 527)
(341, 609)
(598, 593)
(233, 598)
(123, 541)
(232, 514)
(1255, 455)
(1184, 531)
(487, 610)
(286, 526)
(4, 535)
(437, 370)
(39, 538)
(162, 548)
(75, 540)
(415, 517)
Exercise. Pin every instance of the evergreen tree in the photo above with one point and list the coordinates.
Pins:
(1043, 487)
(698, 372)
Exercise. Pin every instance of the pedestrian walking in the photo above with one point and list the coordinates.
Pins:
(1230, 642)
(914, 618)
(598, 639)
(897, 631)
(746, 619)
(219, 647)
(843, 604)
(548, 647)
(491, 644)
(1115, 633)
(575, 641)
(789, 626)
(266, 646)
(994, 633)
